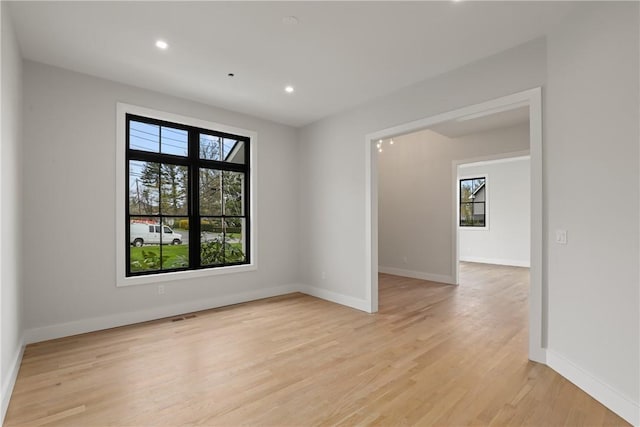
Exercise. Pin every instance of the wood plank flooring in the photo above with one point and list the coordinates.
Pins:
(434, 355)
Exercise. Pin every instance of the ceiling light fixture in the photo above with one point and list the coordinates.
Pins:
(289, 89)
(161, 44)
(379, 144)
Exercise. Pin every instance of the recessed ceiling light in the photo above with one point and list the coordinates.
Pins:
(161, 44)
(289, 89)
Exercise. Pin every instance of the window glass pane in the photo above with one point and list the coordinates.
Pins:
(211, 241)
(145, 245)
(175, 241)
(174, 185)
(478, 215)
(143, 136)
(466, 214)
(233, 188)
(210, 147)
(477, 183)
(235, 247)
(465, 190)
(210, 192)
(472, 214)
(174, 141)
(233, 151)
(144, 188)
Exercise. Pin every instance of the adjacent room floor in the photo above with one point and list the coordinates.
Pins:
(434, 355)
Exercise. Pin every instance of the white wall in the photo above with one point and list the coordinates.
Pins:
(591, 185)
(69, 208)
(507, 240)
(10, 202)
(415, 197)
(332, 160)
(590, 153)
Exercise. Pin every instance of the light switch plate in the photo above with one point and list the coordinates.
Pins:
(561, 237)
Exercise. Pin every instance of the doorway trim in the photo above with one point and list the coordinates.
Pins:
(532, 98)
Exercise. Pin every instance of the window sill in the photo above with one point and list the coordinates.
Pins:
(183, 275)
(486, 228)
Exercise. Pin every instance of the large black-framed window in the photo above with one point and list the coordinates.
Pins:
(187, 191)
(473, 202)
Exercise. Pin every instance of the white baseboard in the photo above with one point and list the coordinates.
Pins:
(93, 324)
(121, 319)
(417, 275)
(357, 303)
(10, 381)
(602, 392)
(497, 261)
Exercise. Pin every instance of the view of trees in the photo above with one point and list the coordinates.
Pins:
(156, 188)
(221, 192)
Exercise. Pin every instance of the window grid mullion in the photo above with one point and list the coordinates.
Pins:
(223, 207)
(193, 164)
(160, 194)
(194, 227)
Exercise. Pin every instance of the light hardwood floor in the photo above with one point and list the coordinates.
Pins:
(433, 355)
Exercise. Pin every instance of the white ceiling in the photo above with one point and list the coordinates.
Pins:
(339, 55)
(457, 128)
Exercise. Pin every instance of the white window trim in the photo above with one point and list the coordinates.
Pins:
(122, 110)
(486, 201)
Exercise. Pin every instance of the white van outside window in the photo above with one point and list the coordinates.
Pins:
(143, 234)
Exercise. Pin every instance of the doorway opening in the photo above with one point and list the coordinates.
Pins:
(379, 142)
(493, 210)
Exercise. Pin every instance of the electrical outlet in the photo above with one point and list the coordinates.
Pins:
(160, 289)
(323, 275)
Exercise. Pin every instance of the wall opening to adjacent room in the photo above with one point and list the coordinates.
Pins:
(530, 101)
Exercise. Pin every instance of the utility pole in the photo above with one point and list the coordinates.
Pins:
(138, 195)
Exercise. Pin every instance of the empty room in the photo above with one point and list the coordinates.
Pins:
(319, 213)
